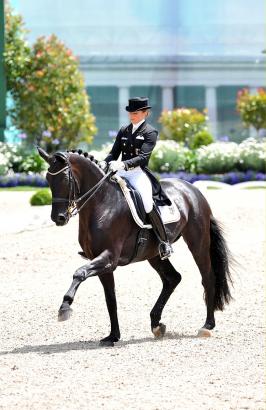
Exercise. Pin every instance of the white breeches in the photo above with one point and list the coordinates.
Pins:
(140, 181)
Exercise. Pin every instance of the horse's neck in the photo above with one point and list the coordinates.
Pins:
(87, 173)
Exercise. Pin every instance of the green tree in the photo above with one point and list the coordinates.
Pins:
(252, 108)
(17, 51)
(182, 124)
(51, 105)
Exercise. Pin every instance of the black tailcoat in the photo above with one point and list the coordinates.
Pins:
(136, 150)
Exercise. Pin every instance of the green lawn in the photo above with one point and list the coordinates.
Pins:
(250, 187)
(213, 187)
(256, 187)
(20, 188)
(33, 188)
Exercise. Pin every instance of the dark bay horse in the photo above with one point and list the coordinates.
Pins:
(108, 233)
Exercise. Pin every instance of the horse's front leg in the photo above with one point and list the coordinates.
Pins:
(100, 265)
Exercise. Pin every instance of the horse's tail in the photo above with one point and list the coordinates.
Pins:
(221, 260)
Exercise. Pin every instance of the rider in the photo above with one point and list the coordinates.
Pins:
(136, 142)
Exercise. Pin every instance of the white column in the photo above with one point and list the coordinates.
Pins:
(123, 102)
(168, 98)
(211, 105)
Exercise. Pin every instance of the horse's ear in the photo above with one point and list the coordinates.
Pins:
(44, 154)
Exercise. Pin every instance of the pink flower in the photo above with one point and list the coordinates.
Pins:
(22, 135)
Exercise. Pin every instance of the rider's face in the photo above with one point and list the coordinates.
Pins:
(137, 116)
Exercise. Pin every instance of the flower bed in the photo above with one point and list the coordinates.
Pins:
(217, 158)
(14, 180)
(231, 178)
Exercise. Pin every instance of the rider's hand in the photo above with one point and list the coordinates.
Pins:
(116, 165)
(103, 165)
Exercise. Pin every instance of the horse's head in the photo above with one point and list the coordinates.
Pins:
(61, 181)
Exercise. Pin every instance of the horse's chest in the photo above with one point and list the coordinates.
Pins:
(85, 240)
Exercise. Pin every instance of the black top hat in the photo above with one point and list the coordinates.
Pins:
(138, 104)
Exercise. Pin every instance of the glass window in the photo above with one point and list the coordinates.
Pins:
(154, 93)
(190, 97)
(229, 123)
(104, 105)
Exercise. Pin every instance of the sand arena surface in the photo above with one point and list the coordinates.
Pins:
(49, 365)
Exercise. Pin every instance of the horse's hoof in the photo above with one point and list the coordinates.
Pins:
(106, 343)
(64, 314)
(204, 332)
(109, 341)
(159, 331)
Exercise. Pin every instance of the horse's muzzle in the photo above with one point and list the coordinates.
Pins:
(61, 219)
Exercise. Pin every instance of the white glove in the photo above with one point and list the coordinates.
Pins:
(103, 165)
(116, 166)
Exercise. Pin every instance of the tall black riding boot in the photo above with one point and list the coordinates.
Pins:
(165, 248)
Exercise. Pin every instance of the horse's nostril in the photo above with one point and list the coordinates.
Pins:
(61, 218)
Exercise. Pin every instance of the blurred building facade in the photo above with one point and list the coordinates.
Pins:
(180, 53)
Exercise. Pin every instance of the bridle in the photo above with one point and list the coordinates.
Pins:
(72, 199)
(72, 191)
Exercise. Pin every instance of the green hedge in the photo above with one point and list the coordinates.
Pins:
(19, 159)
(223, 157)
(41, 197)
(215, 158)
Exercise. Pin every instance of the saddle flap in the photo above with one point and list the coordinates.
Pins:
(169, 214)
(137, 200)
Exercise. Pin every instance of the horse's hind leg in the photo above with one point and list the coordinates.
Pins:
(170, 279)
(199, 246)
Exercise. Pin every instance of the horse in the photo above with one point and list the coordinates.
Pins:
(78, 185)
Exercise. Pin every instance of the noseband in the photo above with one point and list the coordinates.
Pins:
(72, 199)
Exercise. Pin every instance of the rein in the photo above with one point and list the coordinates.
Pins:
(72, 203)
(95, 188)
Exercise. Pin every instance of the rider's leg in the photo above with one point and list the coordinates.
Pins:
(140, 181)
(165, 247)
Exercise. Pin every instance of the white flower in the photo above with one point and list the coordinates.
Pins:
(3, 160)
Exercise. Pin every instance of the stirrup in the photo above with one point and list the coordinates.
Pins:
(165, 250)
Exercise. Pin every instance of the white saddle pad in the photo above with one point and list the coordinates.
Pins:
(169, 214)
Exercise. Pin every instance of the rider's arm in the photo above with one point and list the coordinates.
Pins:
(116, 149)
(143, 157)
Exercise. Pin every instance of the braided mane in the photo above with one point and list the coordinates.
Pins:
(85, 154)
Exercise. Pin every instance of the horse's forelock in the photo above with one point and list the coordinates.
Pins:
(61, 156)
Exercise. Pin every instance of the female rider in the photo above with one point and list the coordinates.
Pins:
(136, 142)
